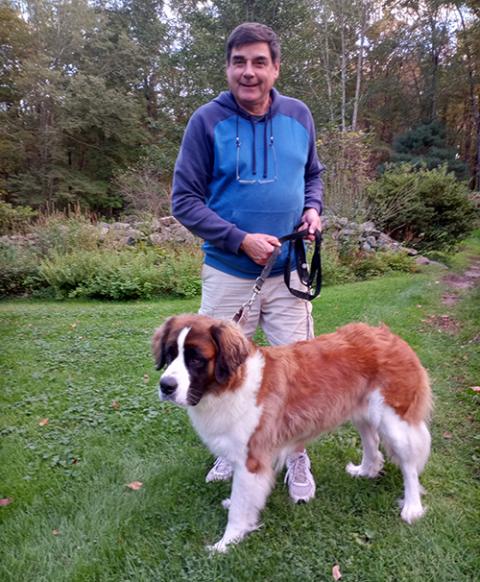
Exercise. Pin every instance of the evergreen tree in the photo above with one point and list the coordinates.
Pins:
(426, 145)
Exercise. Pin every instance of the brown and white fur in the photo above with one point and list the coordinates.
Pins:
(254, 405)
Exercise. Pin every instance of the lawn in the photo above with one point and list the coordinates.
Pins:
(80, 420)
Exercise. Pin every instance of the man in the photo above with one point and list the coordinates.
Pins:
(248, 173)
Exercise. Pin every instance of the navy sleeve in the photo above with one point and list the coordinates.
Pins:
(192, 175)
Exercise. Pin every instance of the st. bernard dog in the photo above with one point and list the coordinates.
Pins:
(254, 405)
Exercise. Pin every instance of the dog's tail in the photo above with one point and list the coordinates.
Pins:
(421, 405)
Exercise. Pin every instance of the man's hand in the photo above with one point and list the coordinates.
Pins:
(312, 221)
(259, 247)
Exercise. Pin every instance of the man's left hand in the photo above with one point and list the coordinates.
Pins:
(312, 221)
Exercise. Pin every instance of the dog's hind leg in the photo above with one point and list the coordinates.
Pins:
(409, 446)
(372, 458)
(249, 496)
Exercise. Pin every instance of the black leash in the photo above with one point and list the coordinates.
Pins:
(311, 278)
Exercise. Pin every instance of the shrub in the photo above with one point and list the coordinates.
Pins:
(426, 145)
(347, 159)
(58, 233)
(127, 273)
(343, 262)
(369, 265)
(15, 219)
(19, 268)
(426, 208)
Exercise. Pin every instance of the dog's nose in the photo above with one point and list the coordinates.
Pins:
(168, 385)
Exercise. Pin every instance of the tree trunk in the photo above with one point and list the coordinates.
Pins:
(356, 102)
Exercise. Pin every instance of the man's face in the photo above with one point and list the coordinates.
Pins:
(251, 74)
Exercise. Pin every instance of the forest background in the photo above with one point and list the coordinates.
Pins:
(95, 94)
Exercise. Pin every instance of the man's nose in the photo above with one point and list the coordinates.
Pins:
(248, 70)
(168, 385)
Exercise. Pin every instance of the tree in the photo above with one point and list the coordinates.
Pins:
(426, 145)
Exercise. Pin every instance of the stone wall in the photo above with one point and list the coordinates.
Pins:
(364, 236)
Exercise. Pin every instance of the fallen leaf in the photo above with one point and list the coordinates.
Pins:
(43, 422)
(447, 435)
(115, 404)
(146, 378)
(336, 574)
(73, 325)
(56, 532)
(135, 485)
(5, 501)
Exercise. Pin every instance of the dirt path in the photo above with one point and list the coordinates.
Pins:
(455, 286)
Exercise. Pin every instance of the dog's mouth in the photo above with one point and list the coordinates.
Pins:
(171, 398)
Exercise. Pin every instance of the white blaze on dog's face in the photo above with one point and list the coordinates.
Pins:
(175, 380)
(200, 354)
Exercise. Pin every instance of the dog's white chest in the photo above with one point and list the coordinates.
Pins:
(225, 423)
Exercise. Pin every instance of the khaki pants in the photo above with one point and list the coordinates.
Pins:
(283, 317)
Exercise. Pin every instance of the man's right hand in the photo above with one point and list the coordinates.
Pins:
(259, 247)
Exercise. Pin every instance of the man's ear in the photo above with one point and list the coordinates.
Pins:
(232, 350)
(158, 343)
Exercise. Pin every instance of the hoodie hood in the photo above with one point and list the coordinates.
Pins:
(227, 100)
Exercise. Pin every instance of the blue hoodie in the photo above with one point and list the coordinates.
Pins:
(238, 174)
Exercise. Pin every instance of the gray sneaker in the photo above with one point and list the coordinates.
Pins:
(222, 470)
(301, 485)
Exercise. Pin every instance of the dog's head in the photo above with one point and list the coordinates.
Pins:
(201, 355)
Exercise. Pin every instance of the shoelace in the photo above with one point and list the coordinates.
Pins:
(297, 468)
(221, 465)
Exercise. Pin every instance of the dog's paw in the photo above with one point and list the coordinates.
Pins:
(226, 503)
(371, 471)
(412, 512)
(219, 548)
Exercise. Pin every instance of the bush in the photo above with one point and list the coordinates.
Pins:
(343, 262)
(15, 220)
(366, 266)
(58, 233)
(347, 159)
(19, 267)
(128, 273)
(426, 145)
(426, 208)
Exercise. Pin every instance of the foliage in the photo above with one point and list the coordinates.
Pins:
(368, 265)
(144, 187)
(347, 159)
(62, 233)
(426, 208)
(426, 146)
(123, 274)
(89, 87)
(15, 219)
(19, 268)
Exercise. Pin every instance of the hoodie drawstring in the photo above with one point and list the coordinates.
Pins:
(267, 143)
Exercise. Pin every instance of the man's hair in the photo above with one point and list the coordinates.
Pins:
(250, 32)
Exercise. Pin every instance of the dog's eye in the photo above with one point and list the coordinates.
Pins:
(194, 357)
(171, 354)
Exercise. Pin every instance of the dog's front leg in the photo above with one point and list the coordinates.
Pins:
(249, 495)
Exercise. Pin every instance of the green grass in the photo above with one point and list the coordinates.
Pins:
(73, 518)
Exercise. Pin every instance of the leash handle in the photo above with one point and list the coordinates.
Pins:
(302, 267)
(312, 278)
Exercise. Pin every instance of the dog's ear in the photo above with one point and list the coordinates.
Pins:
(158, 343)
(232, 350)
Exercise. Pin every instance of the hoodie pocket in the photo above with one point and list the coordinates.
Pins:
(266, 222)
